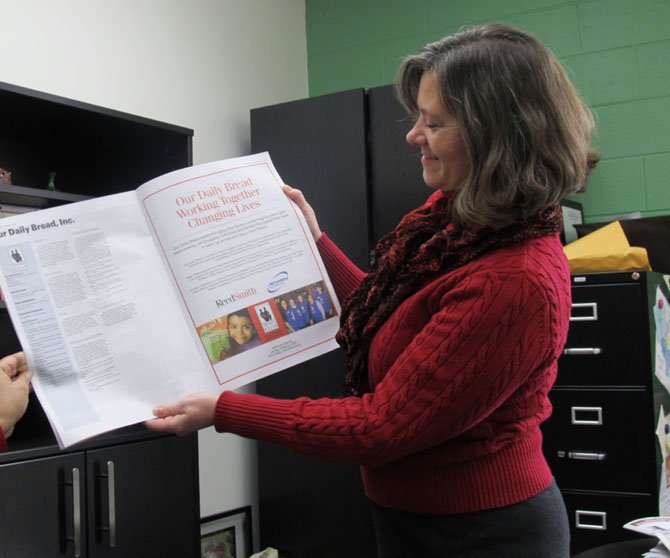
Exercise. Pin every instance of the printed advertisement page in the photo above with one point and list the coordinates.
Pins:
(97, 315)
(253, 285)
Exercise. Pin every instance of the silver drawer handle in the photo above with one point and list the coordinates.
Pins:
(582, 351)
(587, 455)
(586, 415)
(590, 317)
(582, 518)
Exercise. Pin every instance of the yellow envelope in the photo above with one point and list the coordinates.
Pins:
(606, 249)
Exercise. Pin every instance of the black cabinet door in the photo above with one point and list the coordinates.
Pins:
(319, 146)
(347, 152)
(309, 508)
(42, 513)
(396, 185)
(143, 499)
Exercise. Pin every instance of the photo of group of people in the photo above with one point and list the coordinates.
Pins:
(249, 327)
(304, 307)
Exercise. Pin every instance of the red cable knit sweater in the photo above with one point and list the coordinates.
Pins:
(460, 375)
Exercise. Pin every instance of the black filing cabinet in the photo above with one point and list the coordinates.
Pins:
(605, 440)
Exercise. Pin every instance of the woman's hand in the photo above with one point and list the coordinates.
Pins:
(14, 390)
(297, 197)
(192, 413)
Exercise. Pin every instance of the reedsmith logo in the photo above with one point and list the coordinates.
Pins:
(277, 282)
(235, 297)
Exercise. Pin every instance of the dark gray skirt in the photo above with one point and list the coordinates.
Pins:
(533, 528)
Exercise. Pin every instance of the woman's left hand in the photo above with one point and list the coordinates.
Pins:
(192, 413)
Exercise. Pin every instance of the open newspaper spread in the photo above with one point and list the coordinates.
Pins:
(203, 279)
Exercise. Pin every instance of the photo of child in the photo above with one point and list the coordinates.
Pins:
(242, 334)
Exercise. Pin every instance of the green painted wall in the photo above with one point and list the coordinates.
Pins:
(617, 51)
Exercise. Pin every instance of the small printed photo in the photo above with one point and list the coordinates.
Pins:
(229, 335)
(305, 307)
(214, 338)
(266, 317)
(16, 256)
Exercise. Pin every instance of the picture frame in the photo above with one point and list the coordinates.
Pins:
(227, 534)
(573, 214)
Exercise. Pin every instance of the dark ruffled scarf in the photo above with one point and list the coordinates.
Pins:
(423, 246)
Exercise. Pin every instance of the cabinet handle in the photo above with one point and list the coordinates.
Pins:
(111, 503)
(582, 520)
(590, 317)
(76, 512)
(111, 495)
(587, 455)
(586, 415)
(582, 351)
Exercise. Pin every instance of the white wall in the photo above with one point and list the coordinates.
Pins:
(201, 64)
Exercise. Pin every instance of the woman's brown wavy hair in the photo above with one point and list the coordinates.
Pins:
(525, 126)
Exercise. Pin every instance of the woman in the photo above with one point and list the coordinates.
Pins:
(453, 337)
(316, 310)
(14, 391)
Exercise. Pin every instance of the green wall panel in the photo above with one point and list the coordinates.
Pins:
(605, 77)
(657, 179)
(613, 23)
(617, 51)
(395, 50)
(557, 27)
(534, 4)
(615, 188)
(654, 68)
(456, 14)
(344, 69)
(634, 128)
(334, 24)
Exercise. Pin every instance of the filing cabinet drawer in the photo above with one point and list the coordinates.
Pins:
(608, 339)
(598, 518)
(602, 440)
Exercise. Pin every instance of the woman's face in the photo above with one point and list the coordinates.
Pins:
(444, 156)
(241, 329)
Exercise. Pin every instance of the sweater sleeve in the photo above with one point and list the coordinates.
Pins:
(3, 442)
(489, 334)
(344, 274)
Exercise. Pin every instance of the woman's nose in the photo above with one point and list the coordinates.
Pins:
(414, 136)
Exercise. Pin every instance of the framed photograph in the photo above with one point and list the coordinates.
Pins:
(226, 535)
(573, 214)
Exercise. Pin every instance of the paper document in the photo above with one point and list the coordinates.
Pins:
(654, 527)
(203, 279)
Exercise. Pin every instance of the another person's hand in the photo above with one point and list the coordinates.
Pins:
(183, 417)
(297, 197)
(14, 390)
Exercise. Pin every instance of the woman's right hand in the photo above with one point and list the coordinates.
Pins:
(298, 198)
(192, 413)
